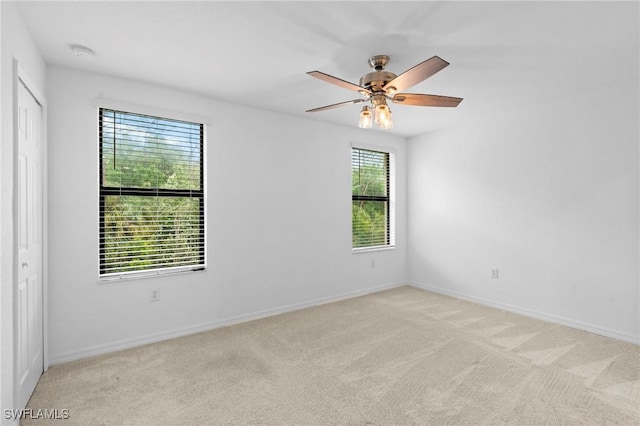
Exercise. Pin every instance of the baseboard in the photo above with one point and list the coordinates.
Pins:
(578, 325)
(198, 328)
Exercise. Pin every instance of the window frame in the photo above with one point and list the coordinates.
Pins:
(104, 191)
(390, 198)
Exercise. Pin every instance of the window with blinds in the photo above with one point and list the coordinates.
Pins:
(151, 194)
(372, 203)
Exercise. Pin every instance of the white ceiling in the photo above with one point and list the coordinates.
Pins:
(503, 55)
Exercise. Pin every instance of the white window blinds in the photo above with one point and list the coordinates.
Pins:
(372, 201)
(151, 193)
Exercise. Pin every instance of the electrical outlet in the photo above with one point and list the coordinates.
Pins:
(373, 263)
(495, 273)
(154, 295)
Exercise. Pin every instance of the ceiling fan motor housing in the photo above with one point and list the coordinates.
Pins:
(375, 81)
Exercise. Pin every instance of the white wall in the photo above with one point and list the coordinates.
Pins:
(16, 44)
(547, 193)
(279, 220)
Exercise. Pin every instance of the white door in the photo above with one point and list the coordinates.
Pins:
(29, 326)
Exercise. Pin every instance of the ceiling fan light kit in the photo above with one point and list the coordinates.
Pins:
(379, 86)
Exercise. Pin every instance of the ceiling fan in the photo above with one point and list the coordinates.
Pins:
(379, 86)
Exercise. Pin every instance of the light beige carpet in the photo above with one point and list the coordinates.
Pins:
(402, 356)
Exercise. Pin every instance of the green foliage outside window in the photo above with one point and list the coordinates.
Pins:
(145, 232)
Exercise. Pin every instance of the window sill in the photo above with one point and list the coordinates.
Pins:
(370, 249)
(128, 276)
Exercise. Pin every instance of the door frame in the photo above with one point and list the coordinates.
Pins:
(19, 75)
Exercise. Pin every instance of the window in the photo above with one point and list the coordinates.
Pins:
(372, 212)
(151, 194)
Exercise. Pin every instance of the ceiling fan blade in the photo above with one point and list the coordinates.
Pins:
(338, 82)
(418, 99)
(355, 101)
(420, 72)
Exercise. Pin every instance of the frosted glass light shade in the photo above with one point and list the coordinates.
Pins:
(366, 119)
(383, 117)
